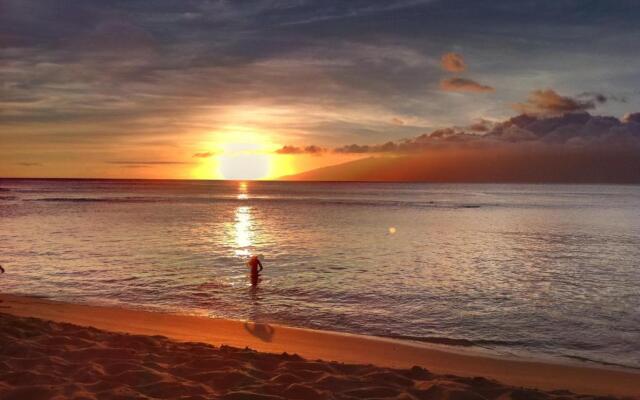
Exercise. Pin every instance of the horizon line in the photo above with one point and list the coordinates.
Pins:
(324, 181)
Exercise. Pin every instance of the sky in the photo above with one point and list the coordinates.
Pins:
(262, 89)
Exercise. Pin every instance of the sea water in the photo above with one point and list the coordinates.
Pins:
(549, 270)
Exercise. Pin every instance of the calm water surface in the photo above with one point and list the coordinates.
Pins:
(544, 269)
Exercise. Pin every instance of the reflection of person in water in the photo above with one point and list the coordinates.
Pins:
(256, 266)
(1, 269)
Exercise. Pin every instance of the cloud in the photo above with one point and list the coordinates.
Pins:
(549, 102)
(388, 147)
(464, 85)
(313, 149)
(601, 98)
(632, 118)
(570, 130)
(356, 149)
(147, 163)
(30, 164)
(205, 154)
(481, 125)
(397, 121)
(593, 96)
(452, 62)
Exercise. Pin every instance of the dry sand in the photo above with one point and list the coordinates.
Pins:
(42, 360)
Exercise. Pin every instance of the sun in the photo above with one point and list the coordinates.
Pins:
(244, 166)
(244, 161)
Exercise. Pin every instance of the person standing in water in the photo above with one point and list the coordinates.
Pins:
(256, 266)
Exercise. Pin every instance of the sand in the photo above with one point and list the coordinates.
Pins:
(128, 358)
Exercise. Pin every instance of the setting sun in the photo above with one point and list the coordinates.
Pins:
(244, 166)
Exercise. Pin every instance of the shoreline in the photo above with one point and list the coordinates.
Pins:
(448, 345)
(331, 346)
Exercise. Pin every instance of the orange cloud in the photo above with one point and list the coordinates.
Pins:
(147, 163)
(464, 85)
(550, 102)
(206, 154)
(313, 149)
(453, 62)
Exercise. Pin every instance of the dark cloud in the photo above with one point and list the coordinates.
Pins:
(452, 62)
(481, 125)
(601, 98)
(549, 102)
(464, 85)
(29, 164)
(595, 97)
(313, 149)
(356, 149)
(571, 130)
(388, 147)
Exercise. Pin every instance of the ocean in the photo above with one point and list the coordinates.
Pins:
(546, 270)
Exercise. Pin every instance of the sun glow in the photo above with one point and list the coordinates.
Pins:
(247, 152)
(241, 153)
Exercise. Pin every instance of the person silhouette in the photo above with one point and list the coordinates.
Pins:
(256, 266)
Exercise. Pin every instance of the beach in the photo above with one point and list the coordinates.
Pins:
(107, 352)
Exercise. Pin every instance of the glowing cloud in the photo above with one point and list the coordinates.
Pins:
(549, 102)
(452, 62)
(313, 149)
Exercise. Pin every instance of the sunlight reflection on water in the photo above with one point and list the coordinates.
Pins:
(243, 230)
(243, 224)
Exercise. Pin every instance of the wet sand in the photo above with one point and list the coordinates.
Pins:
(123, 355)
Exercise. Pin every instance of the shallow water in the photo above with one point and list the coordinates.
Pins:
(544, 269)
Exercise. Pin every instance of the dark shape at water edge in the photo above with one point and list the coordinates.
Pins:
(501, 165)
(263, 332)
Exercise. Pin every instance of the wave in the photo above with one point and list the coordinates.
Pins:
(434, 339)
(249, 201)
(501, 343)
(457, 342)
(601, 362)
(96, 200)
